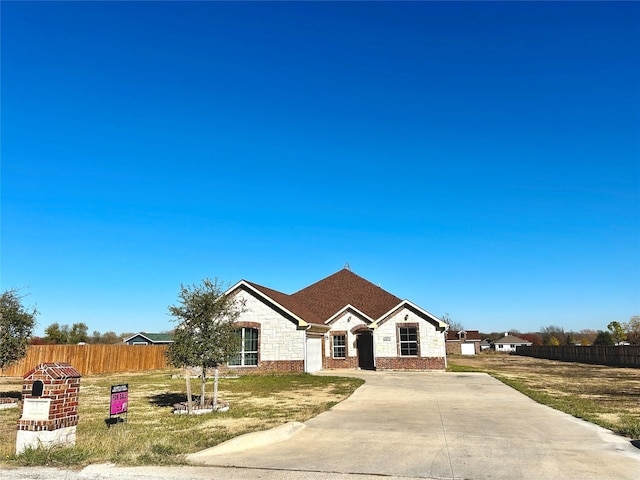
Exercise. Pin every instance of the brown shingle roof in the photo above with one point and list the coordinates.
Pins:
(289, 303)
(321, 300)
(331, 294)
(471, 335)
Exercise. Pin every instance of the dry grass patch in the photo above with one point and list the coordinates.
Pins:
(607, 396)
(154, 435)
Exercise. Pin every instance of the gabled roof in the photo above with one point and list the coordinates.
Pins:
(472, 335)
(352, 309)
(320, 302)
(152, 337)
(511, 339)
(331, 294)
(55, 370)
(289, 303)
(412, 306)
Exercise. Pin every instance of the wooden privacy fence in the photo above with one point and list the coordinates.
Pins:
(93, 359)
(615, 356)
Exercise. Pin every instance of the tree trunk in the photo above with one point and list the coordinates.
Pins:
(215, 390)
(203, 382)
(187, 376)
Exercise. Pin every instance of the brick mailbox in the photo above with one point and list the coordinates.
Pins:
(49, 407)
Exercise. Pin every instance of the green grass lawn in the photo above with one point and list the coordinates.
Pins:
(154, 435)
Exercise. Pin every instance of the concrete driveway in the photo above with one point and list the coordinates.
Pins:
(439, 425)
(406, 426)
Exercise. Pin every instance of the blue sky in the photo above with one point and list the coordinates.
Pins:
(479, 159)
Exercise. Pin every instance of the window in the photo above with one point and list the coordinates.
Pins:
(339, 346)
(408, 341)
(248, 354)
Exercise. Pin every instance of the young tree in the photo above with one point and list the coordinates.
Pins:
(206, 335)
(16, 326)
(617, 331)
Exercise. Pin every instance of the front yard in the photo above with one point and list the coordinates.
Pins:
(153, 435)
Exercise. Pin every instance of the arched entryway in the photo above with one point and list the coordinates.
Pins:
(364, 344)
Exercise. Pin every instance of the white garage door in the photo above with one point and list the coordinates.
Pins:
(314, 354)
(467, 349)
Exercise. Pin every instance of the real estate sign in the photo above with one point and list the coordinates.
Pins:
(119, 399)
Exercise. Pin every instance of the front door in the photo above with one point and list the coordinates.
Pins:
(364, 344)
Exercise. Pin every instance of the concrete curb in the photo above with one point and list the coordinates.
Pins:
(249, 440)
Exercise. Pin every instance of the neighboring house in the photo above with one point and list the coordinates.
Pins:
(342, 321)
(465, 342)
(508, 343)
(485, 345)
(143, 338)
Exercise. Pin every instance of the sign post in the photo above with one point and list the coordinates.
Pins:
(119, 404)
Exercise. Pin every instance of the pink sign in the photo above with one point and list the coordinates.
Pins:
(119, 399)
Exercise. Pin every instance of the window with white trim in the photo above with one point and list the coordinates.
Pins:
(408, 341)
(339, 346)
(248, 354)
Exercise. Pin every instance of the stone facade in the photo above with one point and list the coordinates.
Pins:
(430, 340)
(341, 306)
(348, 323)
(280, 344)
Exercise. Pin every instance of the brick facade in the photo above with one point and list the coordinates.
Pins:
(349, 362)
(410, 363)
(58, 386)
(290, 366)
(296, 366)
(61, 384)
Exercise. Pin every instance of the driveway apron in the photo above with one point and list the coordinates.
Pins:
(444, 426)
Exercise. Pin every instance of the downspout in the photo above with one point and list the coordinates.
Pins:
(373, 347)
(304, 345)
(444, 346)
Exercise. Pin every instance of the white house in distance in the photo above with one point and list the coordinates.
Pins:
(508, 343)
(341, 321)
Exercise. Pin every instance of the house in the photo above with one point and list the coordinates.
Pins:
(485, 344)
(465, 342)
(508, 343)
(143, 338)
(341, 321)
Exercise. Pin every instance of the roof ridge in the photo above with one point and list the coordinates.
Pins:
(344, 287)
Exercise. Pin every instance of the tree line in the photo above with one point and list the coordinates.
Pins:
(56, 334)
(616, 333)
